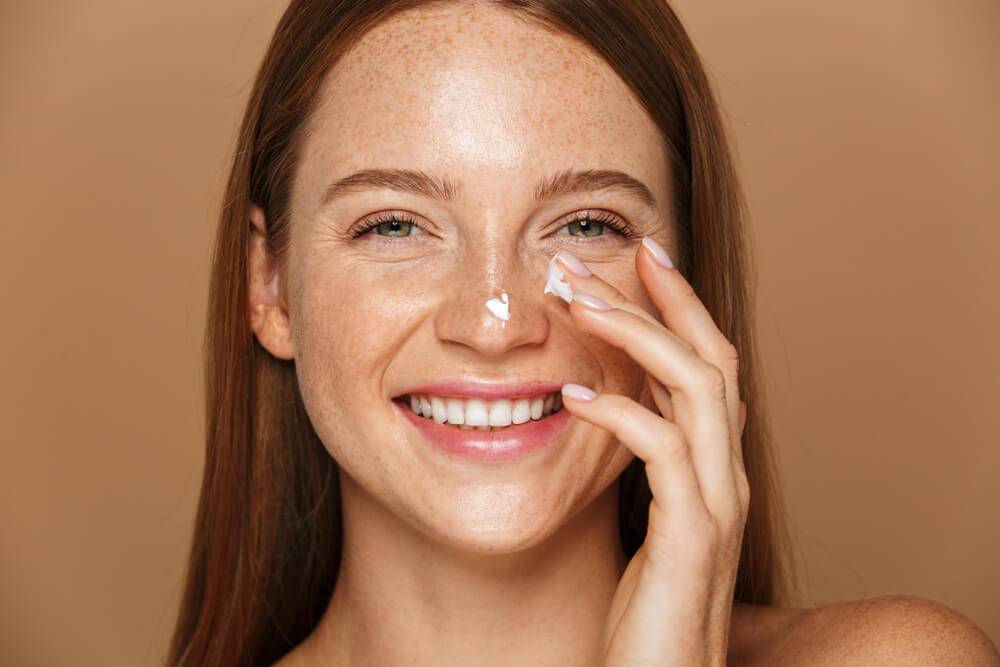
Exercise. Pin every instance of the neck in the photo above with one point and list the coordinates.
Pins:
(402, 598)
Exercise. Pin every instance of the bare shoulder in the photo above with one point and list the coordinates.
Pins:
(887, 630)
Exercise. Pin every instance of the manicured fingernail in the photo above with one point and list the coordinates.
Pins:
(579, 392)
(658, 253)
(591, 301)
(574, 264)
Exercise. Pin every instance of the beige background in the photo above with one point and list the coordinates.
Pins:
(867, 134)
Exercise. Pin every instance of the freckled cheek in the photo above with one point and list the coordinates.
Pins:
(350, 323)
(620, 373)
(348, 327)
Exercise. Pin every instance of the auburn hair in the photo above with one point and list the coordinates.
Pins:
(267, 536)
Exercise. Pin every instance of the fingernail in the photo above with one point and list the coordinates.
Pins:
(579, 392)
(574, 264)
(658, 253)
(591, 301)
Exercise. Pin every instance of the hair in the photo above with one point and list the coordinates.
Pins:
(267, 536)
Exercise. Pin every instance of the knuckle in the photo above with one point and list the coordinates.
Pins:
(713, 382)
(730, 358)
(676, 449)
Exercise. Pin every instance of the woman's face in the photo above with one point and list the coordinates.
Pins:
(489, 108)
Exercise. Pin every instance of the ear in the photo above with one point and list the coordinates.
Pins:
(268, 312)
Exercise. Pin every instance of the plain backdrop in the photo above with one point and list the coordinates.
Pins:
(866, 133)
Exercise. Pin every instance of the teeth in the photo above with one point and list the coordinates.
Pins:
(521, 412)
(456, 412)
(475, 413)
(500, 413)
(440, 411)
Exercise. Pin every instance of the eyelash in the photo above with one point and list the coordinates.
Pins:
(609, 220)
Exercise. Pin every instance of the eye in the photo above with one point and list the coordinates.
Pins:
(390, 225)
(586, 224)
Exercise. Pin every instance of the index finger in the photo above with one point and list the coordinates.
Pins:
(685, 315)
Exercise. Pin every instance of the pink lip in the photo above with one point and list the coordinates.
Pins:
(508, 443)
(484, 390)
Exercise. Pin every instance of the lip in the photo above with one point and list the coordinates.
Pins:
(484, 390)
(512, 442)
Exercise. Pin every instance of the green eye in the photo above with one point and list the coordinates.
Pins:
(585, 227)
(394, 228)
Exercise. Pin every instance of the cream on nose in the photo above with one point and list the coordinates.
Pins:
(500, 308)
(491, 299)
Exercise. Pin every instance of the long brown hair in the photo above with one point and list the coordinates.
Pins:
(267, 536)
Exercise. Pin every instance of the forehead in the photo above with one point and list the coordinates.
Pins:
(467, 91)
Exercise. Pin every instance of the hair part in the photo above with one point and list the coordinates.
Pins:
(267, 535)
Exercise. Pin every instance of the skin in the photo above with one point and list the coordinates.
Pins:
(449, 562)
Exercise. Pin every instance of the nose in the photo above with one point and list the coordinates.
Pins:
(486, 274)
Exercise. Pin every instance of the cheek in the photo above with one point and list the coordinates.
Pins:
(348, 323)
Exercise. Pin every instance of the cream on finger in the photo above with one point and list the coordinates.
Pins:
(556, 283)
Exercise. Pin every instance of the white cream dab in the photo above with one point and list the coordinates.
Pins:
(556, 285)
(500, 308)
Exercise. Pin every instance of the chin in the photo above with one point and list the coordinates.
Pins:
(502, 519)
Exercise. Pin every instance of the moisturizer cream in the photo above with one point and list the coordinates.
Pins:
(556, 285)
(500, 308)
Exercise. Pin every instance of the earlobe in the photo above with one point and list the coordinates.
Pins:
(269, 319)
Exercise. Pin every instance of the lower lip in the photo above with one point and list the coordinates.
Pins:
(507, 443)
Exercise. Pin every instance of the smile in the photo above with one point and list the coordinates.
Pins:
(485, 422)
(481, 414)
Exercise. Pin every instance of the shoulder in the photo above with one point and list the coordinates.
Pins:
(888, 630)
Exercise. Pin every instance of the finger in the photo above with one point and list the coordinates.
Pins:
(580, 278)
(661, 398)
(670, 469)
(685, 314)
(697, 389)
(582, 281)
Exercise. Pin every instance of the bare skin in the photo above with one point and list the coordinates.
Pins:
(447, 562)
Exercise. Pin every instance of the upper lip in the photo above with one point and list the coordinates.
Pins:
(484, 390)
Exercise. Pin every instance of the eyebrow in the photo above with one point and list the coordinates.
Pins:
(417, 182)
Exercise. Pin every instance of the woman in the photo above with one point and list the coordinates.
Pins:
(417, 451)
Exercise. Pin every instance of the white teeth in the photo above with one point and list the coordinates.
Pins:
(475, 413)
(521, 412)
(500, 413)
(440, 411)
(456, 412)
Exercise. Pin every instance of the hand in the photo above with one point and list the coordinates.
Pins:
(673, 605)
